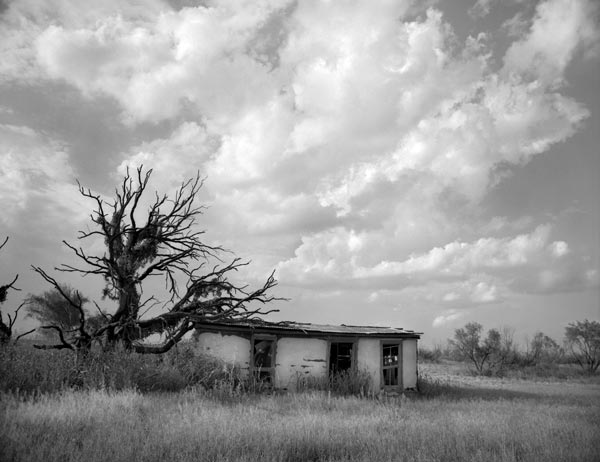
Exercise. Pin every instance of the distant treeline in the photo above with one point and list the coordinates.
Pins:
(497, 352)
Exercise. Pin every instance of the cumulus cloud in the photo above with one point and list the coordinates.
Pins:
(361, 139)
(24, 21)
(516, 26)
(35, 174)
(40, 203)
(480, 9)
(560, 28)
(448, 317)
(368, 142)
(199, 56)
(186, 150)
(526, 263)
(559, 248)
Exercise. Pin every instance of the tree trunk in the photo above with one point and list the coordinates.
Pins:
(124, 330)
(5, 333)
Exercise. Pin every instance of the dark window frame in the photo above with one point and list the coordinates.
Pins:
(260, 372)
(385, 367)
(353, 356)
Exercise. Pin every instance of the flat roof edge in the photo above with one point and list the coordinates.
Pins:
(306, 329)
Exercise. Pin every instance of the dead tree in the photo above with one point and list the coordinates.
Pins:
(167, 243)
(6, 330)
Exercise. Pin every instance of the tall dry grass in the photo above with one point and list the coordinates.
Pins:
(28, 370)
(194, 426)
(184, 407)
(352, 382)
(31, 371)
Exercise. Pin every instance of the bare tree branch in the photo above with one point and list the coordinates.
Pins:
(6, 329)
(23, 335)
(63, 342)
(166, 243)
(172, 340)
(84, 338)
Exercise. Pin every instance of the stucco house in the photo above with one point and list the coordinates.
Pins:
(280, 353)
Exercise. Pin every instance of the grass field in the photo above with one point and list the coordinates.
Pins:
(457, 418)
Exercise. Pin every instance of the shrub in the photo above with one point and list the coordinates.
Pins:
(203, 370)
(310, 382)
(583, 341)
(491, 355)
(34, 371)
(430, 355)
(349, 382)
(162, 379)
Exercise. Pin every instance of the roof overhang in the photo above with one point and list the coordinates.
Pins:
(296, 329)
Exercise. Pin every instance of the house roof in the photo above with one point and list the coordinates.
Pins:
(308, 329)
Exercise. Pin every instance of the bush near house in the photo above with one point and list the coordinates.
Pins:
(345, 383)
(34, 371)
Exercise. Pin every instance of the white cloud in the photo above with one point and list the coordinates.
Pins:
(559, 249)
(516, 26)
(448, 317)
(176, 158)
(480, 9)
(478, 289)
(195, 56)
(25, 21)
(357, 111)
(362, 143)
(524, 263)
(559, 29)
(34, 172)
(484, 293)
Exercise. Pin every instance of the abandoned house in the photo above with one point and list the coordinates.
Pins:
(281, 353)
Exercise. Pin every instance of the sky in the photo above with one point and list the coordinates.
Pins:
(415, 164)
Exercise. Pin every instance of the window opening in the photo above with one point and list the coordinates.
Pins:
(263, 359)
(340, 357)
(391, 365)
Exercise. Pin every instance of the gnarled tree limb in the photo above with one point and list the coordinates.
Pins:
(167, 243)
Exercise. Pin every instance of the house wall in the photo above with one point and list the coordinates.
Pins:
(409, 363)
(229, 348)
(297, 357)
(368, 359)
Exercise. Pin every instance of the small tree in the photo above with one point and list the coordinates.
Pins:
(52, 308)
(491, 354)
(583, 341)
(467, 343)
(542, 350)
(502, 349)
(162, 241)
